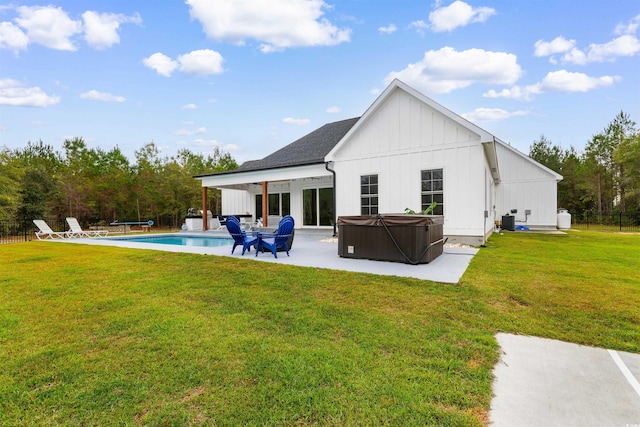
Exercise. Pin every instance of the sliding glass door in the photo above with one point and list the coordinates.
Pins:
(317, 206)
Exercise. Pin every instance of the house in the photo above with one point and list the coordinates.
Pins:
(406, 151)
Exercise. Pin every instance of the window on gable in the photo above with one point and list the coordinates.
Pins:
(369, 194)
(433, 190)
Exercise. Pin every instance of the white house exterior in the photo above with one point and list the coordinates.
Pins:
(404, 152)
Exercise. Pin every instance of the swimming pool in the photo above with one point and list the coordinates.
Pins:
(202, 241)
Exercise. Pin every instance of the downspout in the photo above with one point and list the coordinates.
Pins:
(326, 166)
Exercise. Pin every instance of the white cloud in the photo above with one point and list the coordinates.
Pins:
(492, 114)
(457, 14)
(557, 45)
(161, 63)
(420, 26)
(626, 44)
(212, 143)
(198, 62)
(101, 29)
(299, 122)
(389, 29)
(12, 37)
(334, 109)
(52, 27)
(556, 81)
(565, 81)
(102, 96)
(201, 62)
(630, 27)
(574, 56)
(522, 93)
(445, 70)
(190, 107)
(275, 24)
(188, 132)
(12, 93)
(49, 26)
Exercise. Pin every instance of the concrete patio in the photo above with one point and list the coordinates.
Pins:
(317, 248)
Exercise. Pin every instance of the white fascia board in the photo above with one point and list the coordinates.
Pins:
(269, 175)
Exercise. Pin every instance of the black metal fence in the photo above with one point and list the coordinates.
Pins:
(12, 231)
(627, 221)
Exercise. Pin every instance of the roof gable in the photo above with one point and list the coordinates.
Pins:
(386, 94)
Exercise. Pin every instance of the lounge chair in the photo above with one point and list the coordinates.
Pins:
(45, 232)
(214, 224)
(77, 231)
(279, 239)
(240, 237)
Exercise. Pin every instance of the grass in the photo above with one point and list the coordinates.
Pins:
(93, 335)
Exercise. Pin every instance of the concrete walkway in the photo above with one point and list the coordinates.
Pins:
(543, 382)
(317, 248)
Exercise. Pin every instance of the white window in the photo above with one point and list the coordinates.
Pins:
(369, 194)
(433, 190)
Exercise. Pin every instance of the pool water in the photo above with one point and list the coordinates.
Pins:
(180, 240)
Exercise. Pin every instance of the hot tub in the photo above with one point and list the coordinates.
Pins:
(411, 239)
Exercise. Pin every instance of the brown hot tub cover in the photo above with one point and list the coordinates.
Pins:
(412, 239)
(390, 220)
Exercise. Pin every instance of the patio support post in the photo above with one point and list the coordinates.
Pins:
(265, 204)
(205, 213)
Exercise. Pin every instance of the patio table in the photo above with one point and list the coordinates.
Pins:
(270, 232)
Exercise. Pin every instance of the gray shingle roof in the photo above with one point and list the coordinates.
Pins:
(311, 148)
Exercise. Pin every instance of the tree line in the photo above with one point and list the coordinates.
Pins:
(605, 178)
(98, 187)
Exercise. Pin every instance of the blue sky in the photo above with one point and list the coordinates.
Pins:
(250, 76)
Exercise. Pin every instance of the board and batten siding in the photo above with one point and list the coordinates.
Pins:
(400, 139)
(526, 186)
(236, 202)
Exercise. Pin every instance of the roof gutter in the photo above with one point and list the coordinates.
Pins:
(326, 166)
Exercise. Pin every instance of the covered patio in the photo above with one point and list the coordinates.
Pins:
(295, 180)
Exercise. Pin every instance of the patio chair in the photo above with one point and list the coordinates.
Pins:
(77, 231)
(45, 232)
(215, 224)
(279, 239)
(240, 237)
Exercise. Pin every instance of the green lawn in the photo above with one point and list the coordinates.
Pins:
(97, 336)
